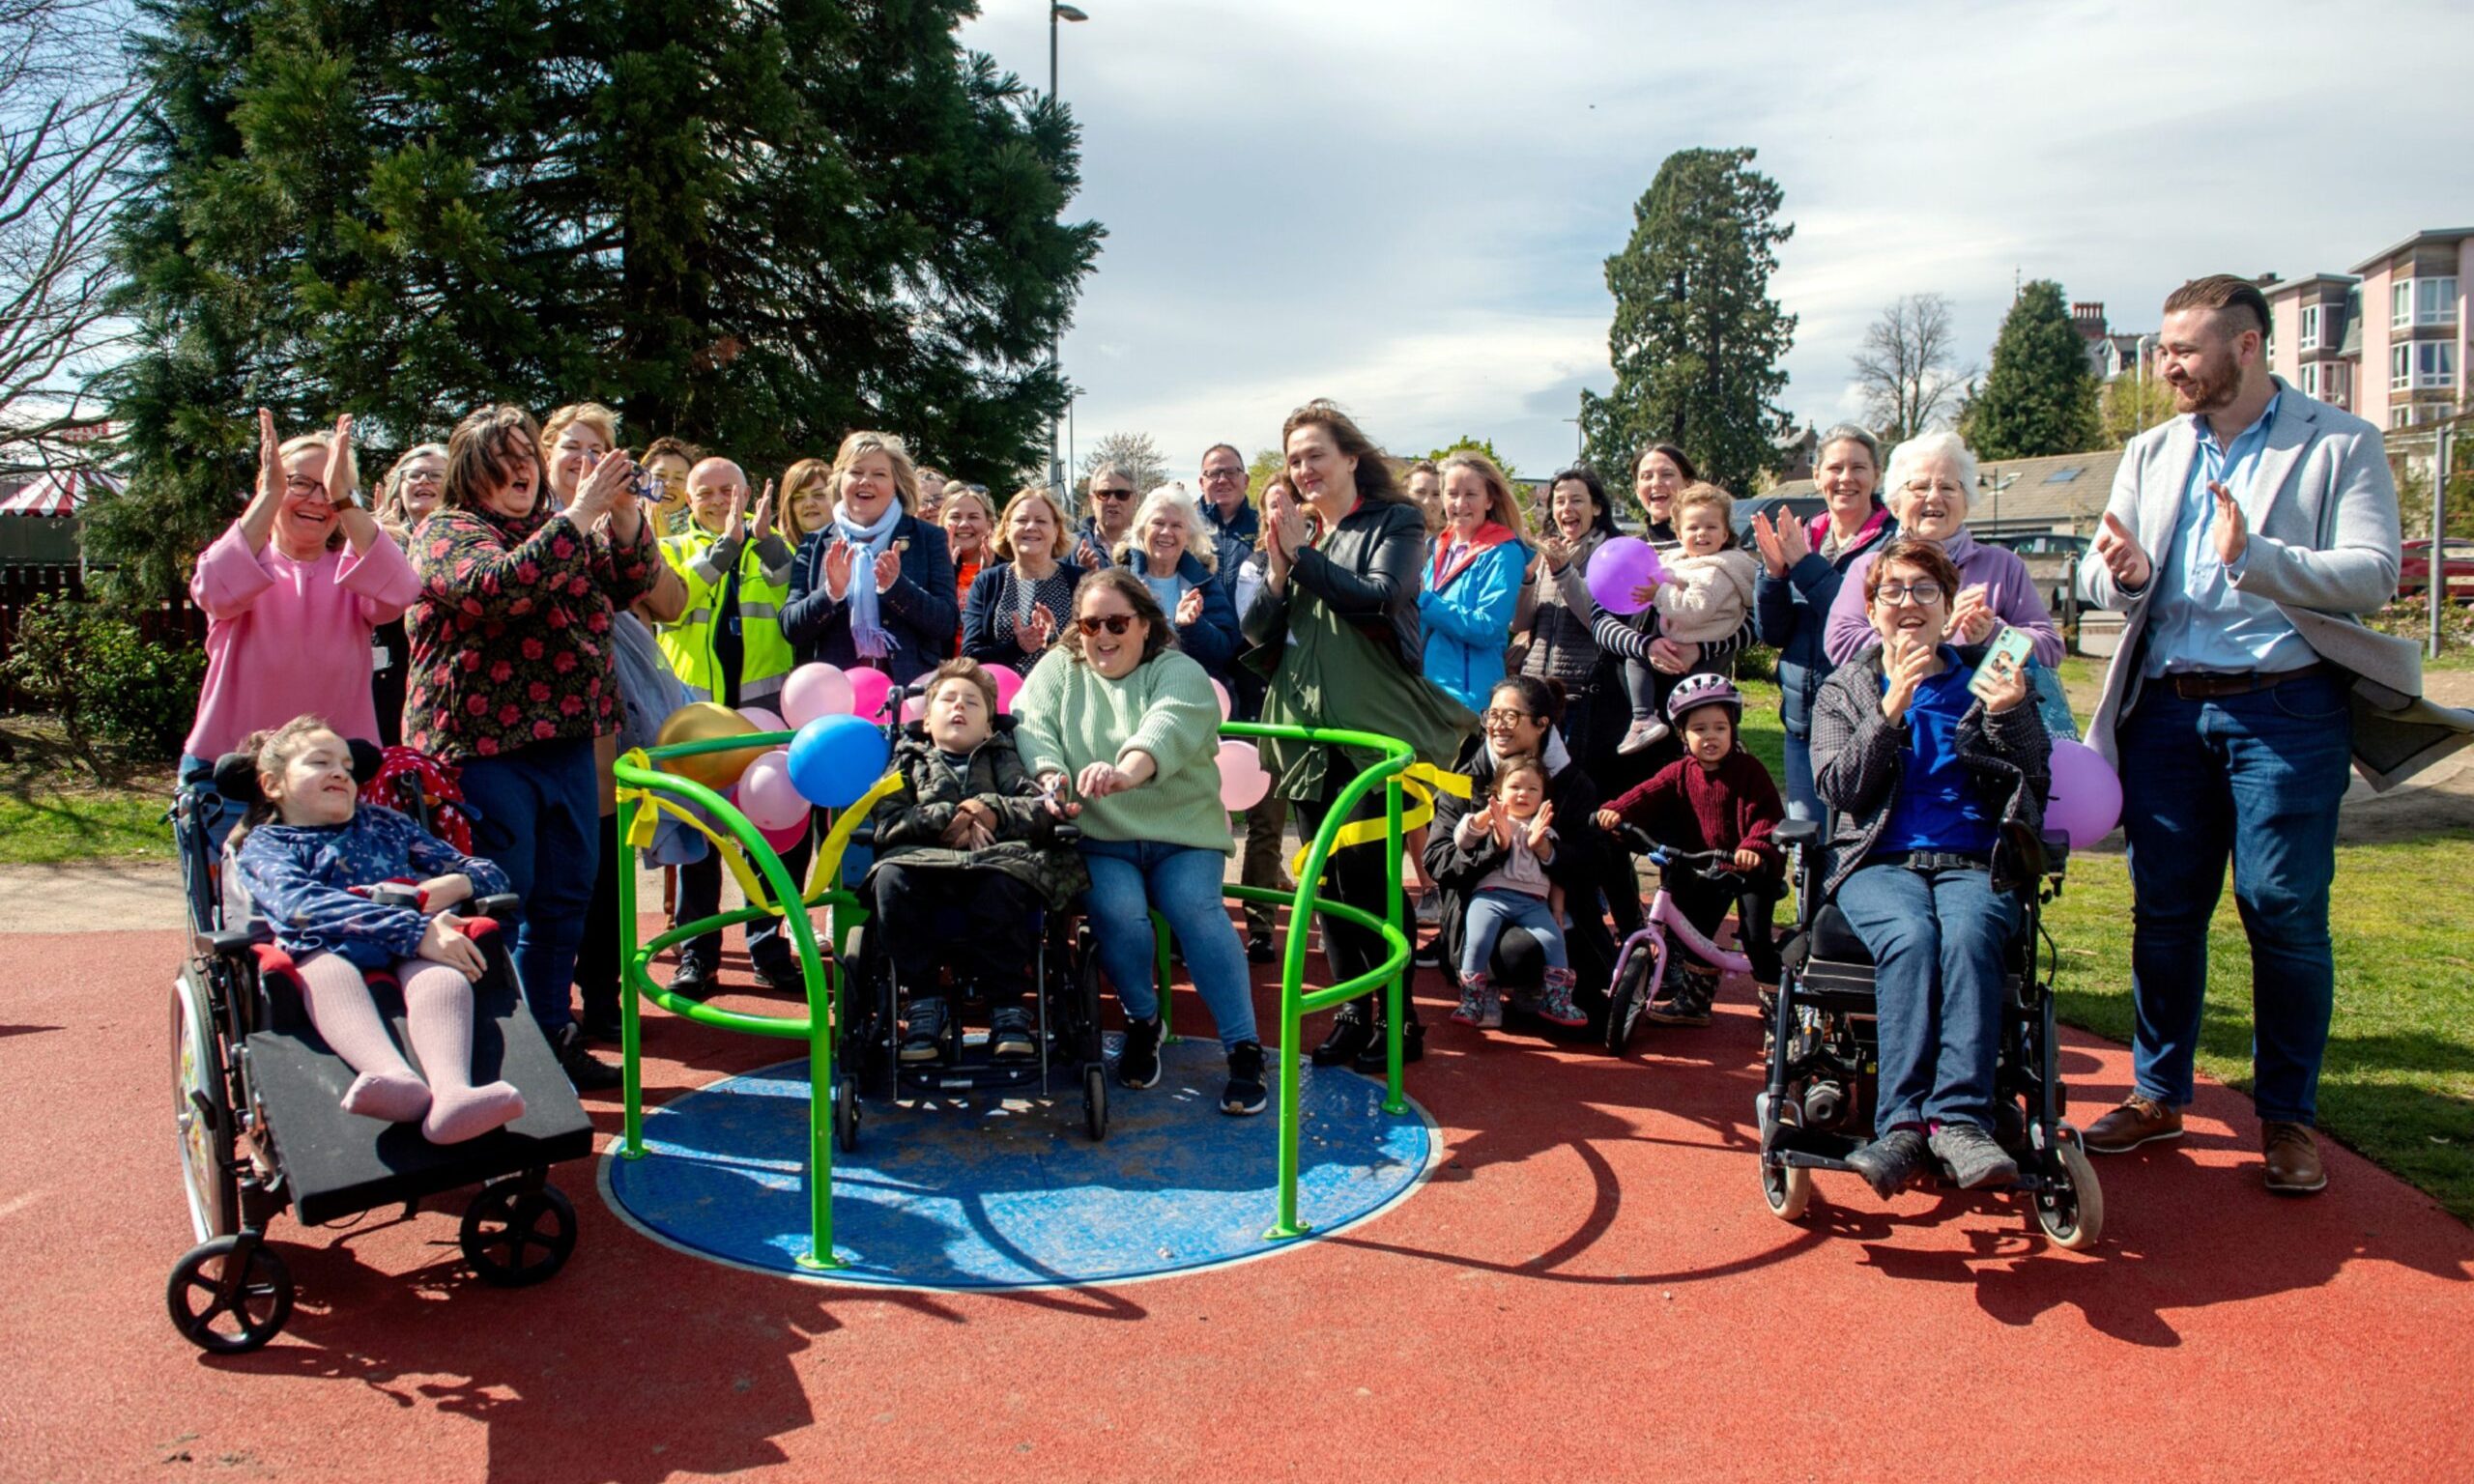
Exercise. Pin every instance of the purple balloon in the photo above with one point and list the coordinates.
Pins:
(1622, 565)
(2087, 800)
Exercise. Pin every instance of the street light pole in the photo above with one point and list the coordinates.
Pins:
(2436, 592)
(1055, 352)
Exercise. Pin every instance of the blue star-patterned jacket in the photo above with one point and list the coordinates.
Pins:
(298, 877)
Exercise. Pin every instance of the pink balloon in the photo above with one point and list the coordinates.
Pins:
(766, 796)
(1009, 684)
(869, 689)
(813, 691)
(1623, 564)
(784, 838)
(1243, 780)
(915, 708)
(2087, 800)
(1227, 707)
(766, 721)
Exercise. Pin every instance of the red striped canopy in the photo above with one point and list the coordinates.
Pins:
(58, 493)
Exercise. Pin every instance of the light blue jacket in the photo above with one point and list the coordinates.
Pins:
(1468, 621)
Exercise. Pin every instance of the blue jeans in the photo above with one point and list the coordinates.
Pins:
(1936, 942)
(1495, 909)
(1803, 801)
(2255, 779)
(539, 819)
(197, 775)
(1130, 879)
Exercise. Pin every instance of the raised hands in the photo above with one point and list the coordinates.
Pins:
(888, 568)
(1783, 542)
(837, 569)
(608, 489)
(1036, 631)
(1189, 607)
(2120, 553)
(1971, 616)
(1541, 828)
(2231, 533)
(1906, 663)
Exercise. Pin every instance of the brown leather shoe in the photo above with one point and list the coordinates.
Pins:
(2138, 1121)
(2293, 1160)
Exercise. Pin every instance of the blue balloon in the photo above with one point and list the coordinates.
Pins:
(834, 759)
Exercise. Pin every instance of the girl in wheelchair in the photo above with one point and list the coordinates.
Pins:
(309, 853)
(1923, 776)
(970, 838)
(1717, 797)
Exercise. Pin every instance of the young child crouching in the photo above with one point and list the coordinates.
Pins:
(1513, 833)
(305, 853)
(969, 837)
(1717, 797)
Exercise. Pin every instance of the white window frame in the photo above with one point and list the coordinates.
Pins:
(2434, 364)
(2435, 299)
(2400, 367)
(2308, 338)
(2310, 379)
(2401, 303)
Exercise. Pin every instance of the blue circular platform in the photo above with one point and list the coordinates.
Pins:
(989, 1193)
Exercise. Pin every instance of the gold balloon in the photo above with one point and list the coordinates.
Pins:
(704, 721)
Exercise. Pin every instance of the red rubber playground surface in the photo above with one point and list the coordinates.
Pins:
(1588, 1288)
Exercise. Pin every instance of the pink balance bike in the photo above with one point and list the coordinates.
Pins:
(1641, 964)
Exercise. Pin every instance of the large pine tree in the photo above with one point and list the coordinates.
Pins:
(1697, 338)
(2039, 398)
(754, 227)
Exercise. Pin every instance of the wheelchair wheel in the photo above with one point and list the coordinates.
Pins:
(1626, 997)
(226, 1308)
(1095, 1101)
(846, 1113)
(515, 1236)
(201, 1109)
(2072, 1209)
(1787, 1189)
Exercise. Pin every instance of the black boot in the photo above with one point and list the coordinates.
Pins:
(1352, 1030)
(1413, 1039)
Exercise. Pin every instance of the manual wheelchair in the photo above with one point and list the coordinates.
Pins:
(1816, 1106)
(257, 1098)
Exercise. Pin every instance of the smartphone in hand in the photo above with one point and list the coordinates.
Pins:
(2004, 655)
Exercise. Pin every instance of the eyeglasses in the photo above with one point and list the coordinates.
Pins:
(1502, 718)
(1896, 594)
(1113, 494)
(1935, 487)
(298, 486)
(1114, 623)
(1211, 475)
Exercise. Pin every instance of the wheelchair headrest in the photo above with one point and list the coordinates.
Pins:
(236, 774)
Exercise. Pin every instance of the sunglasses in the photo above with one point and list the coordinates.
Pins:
(1498, 717)
(1114, 623)
(1113, 494)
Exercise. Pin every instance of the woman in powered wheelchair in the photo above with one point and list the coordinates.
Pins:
(361, 936)
(1916, 948)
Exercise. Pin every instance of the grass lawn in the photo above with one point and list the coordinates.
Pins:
(54, 806)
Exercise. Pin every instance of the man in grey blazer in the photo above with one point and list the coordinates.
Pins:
(2240, 541)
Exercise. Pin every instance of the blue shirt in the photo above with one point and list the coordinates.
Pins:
(2198, 620)
(1937, 806)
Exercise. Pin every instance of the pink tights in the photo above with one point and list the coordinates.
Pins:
(438, 1015)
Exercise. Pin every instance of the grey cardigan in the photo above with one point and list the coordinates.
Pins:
(1860, 758)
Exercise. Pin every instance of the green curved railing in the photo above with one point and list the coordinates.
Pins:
(818, 1025)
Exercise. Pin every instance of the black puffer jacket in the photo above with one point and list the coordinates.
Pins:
(1578, 866)
(910, 824)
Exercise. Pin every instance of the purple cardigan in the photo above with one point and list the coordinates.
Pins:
(2008, 588)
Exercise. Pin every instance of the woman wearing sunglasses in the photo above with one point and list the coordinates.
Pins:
(1120, 721)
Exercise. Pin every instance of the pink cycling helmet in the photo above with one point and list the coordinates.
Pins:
(1694, 691)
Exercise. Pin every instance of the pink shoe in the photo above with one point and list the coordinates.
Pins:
(1644, 735)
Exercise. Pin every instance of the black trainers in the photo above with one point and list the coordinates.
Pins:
(1890, 1161)
(1259, 946)
(1010, 1036)
(924, 1038)
(1688, 1005)
(782, 977)
(1975, 1160)
(695, 978)
(1139, 1062)
(588, 1072)
(1244, 1095)
(1352, 1031)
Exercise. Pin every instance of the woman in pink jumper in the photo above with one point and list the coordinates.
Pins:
(291, 592)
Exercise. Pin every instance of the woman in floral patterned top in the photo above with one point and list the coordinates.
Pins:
(511, 677)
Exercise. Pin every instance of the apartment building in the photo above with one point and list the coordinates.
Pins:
(2388, 341)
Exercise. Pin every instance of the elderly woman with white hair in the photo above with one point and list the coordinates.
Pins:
(1177, 557)
(1927, 487)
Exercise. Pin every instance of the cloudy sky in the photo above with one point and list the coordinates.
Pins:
(1406, 203)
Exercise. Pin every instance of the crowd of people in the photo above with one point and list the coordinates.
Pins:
(524, 600)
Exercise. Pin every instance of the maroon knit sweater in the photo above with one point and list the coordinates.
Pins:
(1687, 807)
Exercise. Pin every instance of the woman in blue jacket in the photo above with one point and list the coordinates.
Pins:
(874, 586)
(1801, 568)
(1177, 557)
(1474, 580)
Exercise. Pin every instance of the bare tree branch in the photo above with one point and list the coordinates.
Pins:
(1908, 367)
(67, 134)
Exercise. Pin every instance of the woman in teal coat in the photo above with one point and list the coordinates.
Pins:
(1473, 582)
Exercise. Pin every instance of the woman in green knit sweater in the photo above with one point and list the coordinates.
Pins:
(1115, 714)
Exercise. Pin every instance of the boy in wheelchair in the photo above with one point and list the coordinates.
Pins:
(967, 855)
(1934, 789)
(316, 864)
